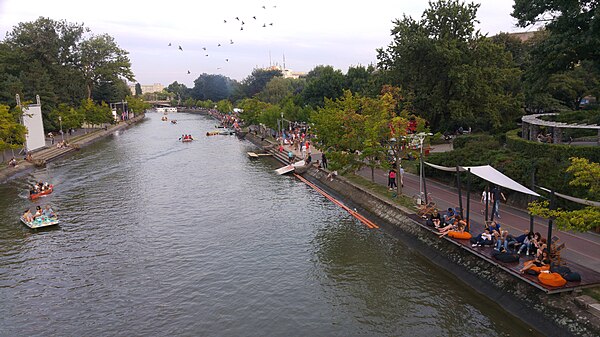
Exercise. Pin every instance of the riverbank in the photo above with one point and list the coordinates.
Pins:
(46, 154)
(556, 315)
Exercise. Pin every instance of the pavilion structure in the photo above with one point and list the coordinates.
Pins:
(532, 124)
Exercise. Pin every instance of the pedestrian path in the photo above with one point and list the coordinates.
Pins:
(582, 248)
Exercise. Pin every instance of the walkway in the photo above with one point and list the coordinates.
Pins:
(582, 248)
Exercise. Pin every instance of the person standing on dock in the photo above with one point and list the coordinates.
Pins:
(323, 160)
(291, 156)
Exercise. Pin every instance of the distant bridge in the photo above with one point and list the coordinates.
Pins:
(157, 103)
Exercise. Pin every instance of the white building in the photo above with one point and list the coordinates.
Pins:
(147, 88)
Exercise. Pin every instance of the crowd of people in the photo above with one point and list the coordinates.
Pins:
(39, 187)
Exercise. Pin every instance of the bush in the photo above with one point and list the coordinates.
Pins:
(482, 140)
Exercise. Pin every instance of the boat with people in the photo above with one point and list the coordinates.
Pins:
(186, 138)
(40, 189)
(42, 218)
(164, 118)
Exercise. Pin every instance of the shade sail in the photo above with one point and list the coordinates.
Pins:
(577, 200)
(490, 174)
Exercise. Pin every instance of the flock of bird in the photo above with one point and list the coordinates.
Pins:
(242, 24)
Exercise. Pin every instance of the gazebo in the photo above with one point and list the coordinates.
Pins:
(531, 127)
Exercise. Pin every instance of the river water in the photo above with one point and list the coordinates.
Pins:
(163, 238)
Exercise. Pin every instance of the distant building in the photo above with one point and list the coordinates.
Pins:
(148, 88)
(287, 73)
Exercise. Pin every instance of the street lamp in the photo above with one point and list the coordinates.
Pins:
(421, 137)
(62, 134)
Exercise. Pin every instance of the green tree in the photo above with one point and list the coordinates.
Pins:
(253, 108)
(136, 104)
(279, 88)
(94, 114)
(71, 118)
(256, 82)
(101, 60)
(12, 133)
(455, 75)
(585, 174)
(212, 87)
(224, 106)
(322, 82)
(138, 89)
(574, 28)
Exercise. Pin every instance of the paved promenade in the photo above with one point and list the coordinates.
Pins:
(582, 248)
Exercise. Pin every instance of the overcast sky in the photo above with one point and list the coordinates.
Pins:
(308, 32)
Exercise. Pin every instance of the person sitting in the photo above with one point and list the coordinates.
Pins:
(541, 261)
(308, 159)
(38, 212)
(435, 219)
(495, 229)
(526, 244)
(49, 212)
(483, 239)
(458, 226)
(449, 216)
(12, 162)
(27, 216)
(502, 242)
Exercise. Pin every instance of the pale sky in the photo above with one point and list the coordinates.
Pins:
(308, 32)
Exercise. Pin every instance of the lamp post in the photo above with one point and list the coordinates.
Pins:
(421, 138)
(62, 134)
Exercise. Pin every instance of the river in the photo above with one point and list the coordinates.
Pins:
(165, 238)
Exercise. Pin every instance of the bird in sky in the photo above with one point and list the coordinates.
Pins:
(218, 68)
(219, 45)
(203, 48)
(264, 25)
(230, 41)
(169, 44)
(241, 28)
(243, 23)
(254, 17)
(189, 72)
(226, 60)
(180, 48)
(264, 7)
(270, 24)
(237, 18)
(224, 21)
(206, 55)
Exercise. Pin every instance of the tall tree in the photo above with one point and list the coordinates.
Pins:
(256, 82)
(455, 75)
(574, 28)
(211, 87)
(138, 89)
(322, 82)
(12, 133)
(102, 60)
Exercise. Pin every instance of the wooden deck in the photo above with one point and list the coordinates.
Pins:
(589, 278)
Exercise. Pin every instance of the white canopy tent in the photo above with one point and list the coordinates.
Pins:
(490, 174)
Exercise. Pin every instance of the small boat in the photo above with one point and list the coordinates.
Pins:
(40, 222)
(187, 140)
(213, 133)
(173, 121)
(164, 118)
(45, 192)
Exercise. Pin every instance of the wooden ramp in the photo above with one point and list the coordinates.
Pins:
(289, 168)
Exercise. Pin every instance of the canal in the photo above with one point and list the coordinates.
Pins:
(160, 237)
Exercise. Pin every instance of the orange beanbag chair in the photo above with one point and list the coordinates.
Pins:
(552, 279)
(539, 269)
(460, 235)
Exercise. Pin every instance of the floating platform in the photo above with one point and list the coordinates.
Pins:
(290, 168)
(46, 222)
(254, 155)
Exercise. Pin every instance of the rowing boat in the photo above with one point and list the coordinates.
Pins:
(42, 193)
(40, 222)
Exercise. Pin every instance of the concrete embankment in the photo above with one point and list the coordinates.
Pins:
(552, 315)
(47, 154)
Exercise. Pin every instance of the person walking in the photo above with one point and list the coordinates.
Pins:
(486, 198)
(291, 157)
(401, 176)
(496, 195)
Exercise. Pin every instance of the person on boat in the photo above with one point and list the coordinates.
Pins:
(47, 185)
(38, 212)
(49, 212)
(27, 215)
(190, 137)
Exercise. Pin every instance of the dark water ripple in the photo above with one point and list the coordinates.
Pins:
(164, 238)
